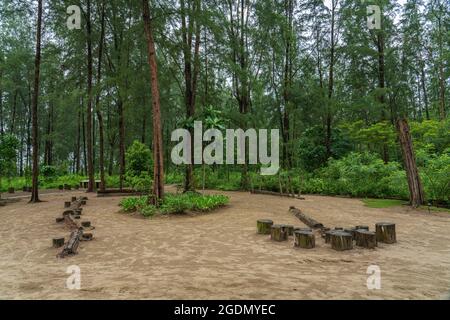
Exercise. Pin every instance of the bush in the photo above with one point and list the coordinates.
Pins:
(138, 160)
(175, 204)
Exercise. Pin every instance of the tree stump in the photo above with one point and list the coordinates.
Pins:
(11, 190)
(362, 228)
(58, 242)
(77, 217)
(86, 224)
(60, 220)
(289, 229)
(341, 241)
(74, 199)
(61, 187)
(339, 229)
(278, 233)
(304, 239)
(87, 237)
(67, 187)
(67, 204)
(263, 226)
(352, 231)
(83, 202)
(302, 229)
(366, 239)
(386, 232)
(328, 235)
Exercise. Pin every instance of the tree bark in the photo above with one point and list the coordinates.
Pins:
(158, 172)
(416, 193)
(37, 65)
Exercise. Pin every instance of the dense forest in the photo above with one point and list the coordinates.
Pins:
(101, 101)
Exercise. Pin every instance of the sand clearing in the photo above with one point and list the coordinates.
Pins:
(219, 255)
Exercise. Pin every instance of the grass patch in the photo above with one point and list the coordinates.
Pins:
(174, 204)
(383, 203)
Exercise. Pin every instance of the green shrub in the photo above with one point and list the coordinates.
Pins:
(174, 204)
(138, 159)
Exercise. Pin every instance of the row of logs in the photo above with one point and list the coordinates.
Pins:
(71, 217)
(340, 239)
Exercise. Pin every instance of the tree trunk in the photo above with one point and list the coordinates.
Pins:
(158, 175)
(416, 194)
(97, 101)
(90, 164)
(37, 65)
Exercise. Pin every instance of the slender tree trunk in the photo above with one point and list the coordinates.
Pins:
(191, 70)
(97, 101)
(424, 90)
(381, 86)
(13, 118)
(330, 81)
(121, 142)
(416, 194)
(1, 94)
(158, 176)
(37, 64)
(90, 164)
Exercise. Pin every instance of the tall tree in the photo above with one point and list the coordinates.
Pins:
(158, 167)
(35, 130)
(90, 164)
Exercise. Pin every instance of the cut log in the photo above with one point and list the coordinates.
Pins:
(278, 194)
(352, 231)
(366, 239)
(339, 229)
(67, 187)
(67, 204)
(263, 226)
(86, 224)
(278, 233)
(362, 228)
(70, 222)
(87, 237)
(58, 242)
(74, 199)
(310, 222)
(83, 202)
(71, 246)
(386, 232)
(59, 220)
(11, 190)
(288, 228)
(341, 241)
(304, 239)
(328, 235)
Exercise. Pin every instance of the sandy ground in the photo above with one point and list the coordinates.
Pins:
(219, 255)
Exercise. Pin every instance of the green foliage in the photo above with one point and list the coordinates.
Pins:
(175, 204)
(138, 159)
(8, 152)
(48, 171)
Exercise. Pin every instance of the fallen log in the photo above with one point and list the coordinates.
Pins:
(310, 222)
(71, 246)
(272, 193)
